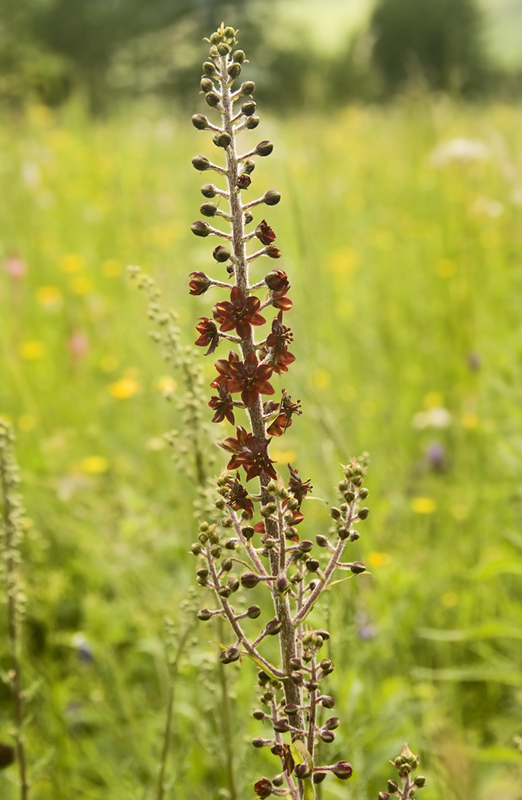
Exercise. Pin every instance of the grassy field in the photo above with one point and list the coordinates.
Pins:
(405, 259)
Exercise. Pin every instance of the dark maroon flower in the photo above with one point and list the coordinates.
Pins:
(298, 487)
(238, 498)
(223, 405)
(277, 280)
(244, 181)
(280, 357)
(251, 379)
(264, 233)
(272, 251)
(223, 366)
(263, 788)
(239, 314)
(199, 283)
(280, 301)
(208, 334)
(250, 453)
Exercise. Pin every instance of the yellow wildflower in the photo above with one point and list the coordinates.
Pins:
(26, 422)
(445, 268)
(450, 599)
(32, 350)
(111, 268)
(283, 456)
(71, 263)
(322, 379)
(94, 465)
(124, 388)
(80, 285)
(49, 297)
(377, 559)
(423, 505)
(469, 420)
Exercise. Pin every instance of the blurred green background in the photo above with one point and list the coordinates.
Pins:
(397, 152)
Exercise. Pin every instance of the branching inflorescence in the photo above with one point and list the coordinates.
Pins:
(256, 544)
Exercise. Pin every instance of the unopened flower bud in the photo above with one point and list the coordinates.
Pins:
(212, 99)
(247, 87)
(305, 546)
(227, 564)
(363, 493)
(297, 677)
(249, 580)
(201, 163)
(302, 771)
(249, 166)
(321, 540)
(262, 678)
(267, 509)
(327, 701)
(200, 228)
(354, 535)
(419, 781)
(332, 723)
(200, 122)
(278, 780)
(202, 572)
(215, 551)
(335, 512)
(264, 148)
(326, 736)
(248, 531)
(392, 786)
(248, 108)
(223, 49)
(234, 70)
(231, 544)
(271, 198)
(196, 549)
(259, 742)
(323, 634)
(290, 709)
(253, 612)
(312, 565)
(357, 567)
(209, 68)
(248, 217)
(318, 777)
(220, 253)
(327, 666)
(342, 770)
(295, 663)
(206, 85)
(273, 627)
(280, 726)
(204, 614)
(230, 655)
(383, 796)
(199, 283)
(363, 513)
(222, 139)
(282, 584)
(251, 123)
(224, 591)
(208, 190)
(258, 714)
(208, 209)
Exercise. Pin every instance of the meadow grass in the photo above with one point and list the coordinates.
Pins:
(406, 283)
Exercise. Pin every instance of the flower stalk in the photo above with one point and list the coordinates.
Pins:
(11, 530)
(255, 502)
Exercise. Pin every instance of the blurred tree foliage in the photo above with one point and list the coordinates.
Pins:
(436, 41)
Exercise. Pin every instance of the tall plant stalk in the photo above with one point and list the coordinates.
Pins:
(12, 531)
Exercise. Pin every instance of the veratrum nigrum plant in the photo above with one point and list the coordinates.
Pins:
(255, 546)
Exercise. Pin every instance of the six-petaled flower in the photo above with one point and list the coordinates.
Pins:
(250, 453)
(223, 405)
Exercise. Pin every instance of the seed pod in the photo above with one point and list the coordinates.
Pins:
(201, 163)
